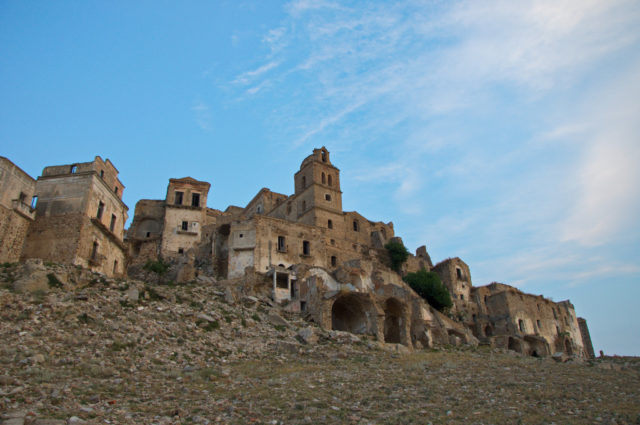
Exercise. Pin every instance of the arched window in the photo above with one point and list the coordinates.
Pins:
(324, 178)
(324, 156)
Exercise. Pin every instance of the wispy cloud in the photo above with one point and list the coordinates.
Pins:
(202, 115)
(511, 109)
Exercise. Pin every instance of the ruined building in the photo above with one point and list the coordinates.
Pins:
(302, 249)
(17, 202)
(79, 217)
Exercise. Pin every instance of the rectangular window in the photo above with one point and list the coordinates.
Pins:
(539, 325)
(100, 210)
(178, 198)
(115, 266)
(282, 280)
(112, 225)
(34, 202)
(94, 251)
(195, 200)
(327, 197)
(185, 225)
(459, 273)
(334, 261)
(180, 250)
(282, 247)
(356, 227)
(306, 248)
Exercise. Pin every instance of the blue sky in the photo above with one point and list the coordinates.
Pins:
(505, 133)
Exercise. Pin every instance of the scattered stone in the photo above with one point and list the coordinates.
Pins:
(133, 294)
(307, 336)
(228, 296)
(277, 320)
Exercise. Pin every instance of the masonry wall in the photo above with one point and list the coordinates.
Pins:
(455, 275)
(17, 190)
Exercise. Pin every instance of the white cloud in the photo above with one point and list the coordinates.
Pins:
(249, 76)
(202, 115)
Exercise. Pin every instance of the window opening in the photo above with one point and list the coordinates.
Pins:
(333, 241)
(330, 224)
(180, 250)
(462, 296)
(303, 305)
(185, 225)
(327, 197)
(195, 200)
(324, 156)
(329, 180)
(304, 206)
(324, 178)
(334, 261)
(521, 325)
(115, 266)
(282, 280)
(282, 247)
(112, 225)
(101, 174)
(74, 169)
(34, 202)
(294, 289)
(356, 227)
(538, 323)
(459, 273)
(100, 210)
(304, 182)
(178, 198)
(115, 189)
(94, 251)
(148, 234)
(306, 248)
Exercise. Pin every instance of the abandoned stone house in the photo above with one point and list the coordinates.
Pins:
(76, 216)
(327, 264)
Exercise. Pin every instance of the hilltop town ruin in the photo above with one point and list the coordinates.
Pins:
(326, 264)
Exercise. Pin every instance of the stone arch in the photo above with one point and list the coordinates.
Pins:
(355, 313)
(537, 346)
(393, 321)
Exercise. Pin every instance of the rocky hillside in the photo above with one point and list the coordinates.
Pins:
(80, 348)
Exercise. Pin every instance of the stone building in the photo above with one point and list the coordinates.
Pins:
(80, 217)
(17, 203)
(302, 249)
(506, 317)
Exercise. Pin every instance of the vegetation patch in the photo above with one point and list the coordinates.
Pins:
(54, 282)
(158, 267)
(398, 254)
(429, 286)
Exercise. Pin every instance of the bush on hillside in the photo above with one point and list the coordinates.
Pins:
(397, 253)
(429, 286)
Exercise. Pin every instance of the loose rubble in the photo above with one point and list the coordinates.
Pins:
(94, 350)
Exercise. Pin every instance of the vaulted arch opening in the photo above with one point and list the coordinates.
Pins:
(353, 313)
(393, 321)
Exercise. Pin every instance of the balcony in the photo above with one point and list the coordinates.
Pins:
(23, 209)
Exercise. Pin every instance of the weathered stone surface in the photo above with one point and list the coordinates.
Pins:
(307, 335)
(277, 320)
(32, 282)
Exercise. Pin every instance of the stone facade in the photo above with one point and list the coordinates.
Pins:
(80, 217)
(17, 202)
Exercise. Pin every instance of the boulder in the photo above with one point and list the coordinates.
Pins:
(277, 320)
(307, 336)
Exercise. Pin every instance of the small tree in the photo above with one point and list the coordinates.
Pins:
(397, 253)
(429, 286)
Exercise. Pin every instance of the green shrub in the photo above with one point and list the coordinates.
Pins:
(158, 267)
(397, 253)
(53, 281)
(429, 286)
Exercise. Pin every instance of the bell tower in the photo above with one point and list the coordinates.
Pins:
(317, 187)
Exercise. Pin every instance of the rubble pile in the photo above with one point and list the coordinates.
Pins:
(81, 348)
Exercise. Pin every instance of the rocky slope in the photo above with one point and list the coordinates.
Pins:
(80, 348)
